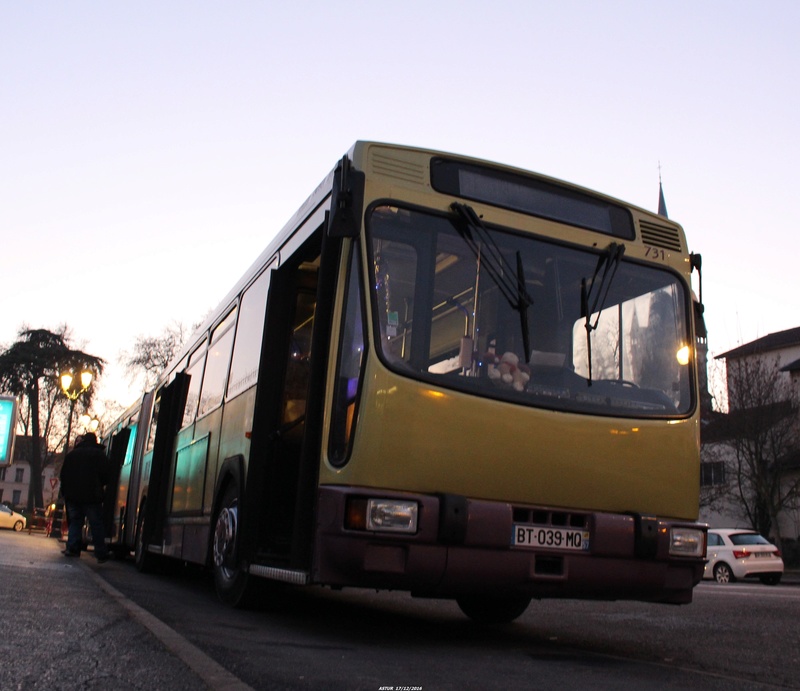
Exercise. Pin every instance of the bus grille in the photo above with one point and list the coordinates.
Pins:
(387, 165)
(557, 519)
(660, 236)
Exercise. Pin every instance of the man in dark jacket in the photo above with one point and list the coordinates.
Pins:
(84, 475)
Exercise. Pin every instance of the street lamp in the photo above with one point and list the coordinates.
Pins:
(73, 392)
(73, 387)
(89, 423)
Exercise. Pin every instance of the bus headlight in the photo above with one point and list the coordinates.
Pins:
(687, 542)
(392, 515)
(381, 515)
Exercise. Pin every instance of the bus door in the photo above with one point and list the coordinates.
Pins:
(116, 493)
(132, 469)
(281, 456)
(168, 414)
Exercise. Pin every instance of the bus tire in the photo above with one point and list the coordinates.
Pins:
(490, 609)
(231, 581)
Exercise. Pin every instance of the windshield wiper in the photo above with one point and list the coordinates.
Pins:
(511, 282)
(608, 262)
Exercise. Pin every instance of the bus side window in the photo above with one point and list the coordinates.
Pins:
(299, 358)
(217, 361)
(129, 449)
(249, 332)
(348, 366)
(396, 276)
(151, 428)
(195, 371)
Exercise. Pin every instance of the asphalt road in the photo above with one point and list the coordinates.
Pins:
(84, 626)
(740, 636)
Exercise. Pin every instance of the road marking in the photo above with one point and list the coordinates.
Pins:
(733, 589)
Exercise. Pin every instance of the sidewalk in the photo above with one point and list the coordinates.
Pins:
(63, 630)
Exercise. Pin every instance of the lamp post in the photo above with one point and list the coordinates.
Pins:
(73, 387)
(89, 423)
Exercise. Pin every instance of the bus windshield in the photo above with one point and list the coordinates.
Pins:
(511, 316)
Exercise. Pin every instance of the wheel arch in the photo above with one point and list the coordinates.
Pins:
(231, 471)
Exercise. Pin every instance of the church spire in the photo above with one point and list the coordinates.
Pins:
(662, 204)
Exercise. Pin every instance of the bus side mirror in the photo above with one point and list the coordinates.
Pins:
(347, 198)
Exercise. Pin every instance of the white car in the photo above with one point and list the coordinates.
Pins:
(740, 553)
(11, 519)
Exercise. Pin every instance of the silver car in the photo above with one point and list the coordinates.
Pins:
(11, 519)
(735, 553)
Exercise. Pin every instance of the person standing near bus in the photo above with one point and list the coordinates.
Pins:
(84, 475)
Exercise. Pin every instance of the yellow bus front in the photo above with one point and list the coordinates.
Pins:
(513, 405)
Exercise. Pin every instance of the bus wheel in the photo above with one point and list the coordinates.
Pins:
(230, 580)
(489, 609)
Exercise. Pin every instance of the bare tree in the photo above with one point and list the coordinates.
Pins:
(714, 453)
(762, 437)
(151, 355)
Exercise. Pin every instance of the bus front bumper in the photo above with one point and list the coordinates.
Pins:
(462, 546)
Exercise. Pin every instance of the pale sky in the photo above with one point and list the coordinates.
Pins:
(150, 150)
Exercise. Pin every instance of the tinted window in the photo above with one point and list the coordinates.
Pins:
(348, 369)
(249, 332)
(531, 196)
(299, 360)
(217, 360)
(195, 371)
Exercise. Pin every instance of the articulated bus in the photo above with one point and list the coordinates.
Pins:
(444, 376)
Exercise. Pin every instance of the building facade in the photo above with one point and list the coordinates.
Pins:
(757, 436)
(15, 479)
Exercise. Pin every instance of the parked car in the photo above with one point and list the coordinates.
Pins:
(735, 553)
(11, 519)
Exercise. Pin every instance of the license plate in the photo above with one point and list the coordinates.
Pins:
(538, 536)
(762, 555)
